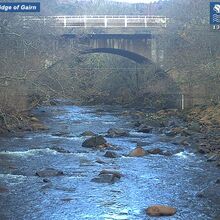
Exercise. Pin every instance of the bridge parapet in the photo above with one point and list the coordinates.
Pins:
(98, 21)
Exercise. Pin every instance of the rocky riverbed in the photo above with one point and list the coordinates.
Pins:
(106, 162)
(198, 128)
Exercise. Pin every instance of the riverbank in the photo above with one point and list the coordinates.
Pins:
(13, 123)
(198, 128)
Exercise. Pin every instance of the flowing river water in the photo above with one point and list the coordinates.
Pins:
(154, 179)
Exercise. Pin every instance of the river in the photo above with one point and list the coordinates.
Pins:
(154, 179)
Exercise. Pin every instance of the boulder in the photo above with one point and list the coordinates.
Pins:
(160, 210)
(145, 129)
(107, 176)
(94, 142)
(154, 151)
(100, 161)
(88, 133)
(137, 152)
(115, 132)
(110, 154)
(114, 172)
(47, 172)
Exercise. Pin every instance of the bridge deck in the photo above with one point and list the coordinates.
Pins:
(98, 21)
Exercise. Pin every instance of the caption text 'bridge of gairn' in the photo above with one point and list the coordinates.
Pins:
(130, 36)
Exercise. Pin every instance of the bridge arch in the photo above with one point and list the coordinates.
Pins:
(124, 53)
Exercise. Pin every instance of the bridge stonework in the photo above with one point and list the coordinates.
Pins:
(142, 48)
(136, 46)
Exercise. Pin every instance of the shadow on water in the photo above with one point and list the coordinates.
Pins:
(153, 179)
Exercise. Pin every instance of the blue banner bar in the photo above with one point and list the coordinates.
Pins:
(20, 7)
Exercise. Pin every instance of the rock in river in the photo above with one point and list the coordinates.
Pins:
(107, 176)
(88, 133)
(137, 152)
(155, 151)
(114, 172)
(114, 132)
(145, 128)
(160, 210)
(3, 189)
(49, 172)
(110, 154)
(93, 142)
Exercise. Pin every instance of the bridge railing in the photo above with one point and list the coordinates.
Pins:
(106, 21)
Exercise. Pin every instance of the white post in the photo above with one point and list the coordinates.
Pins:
(106, 22)
(44, 21)
(85, 21)
(183, 102)
(145, 21)
(126, 21)
(64, 21)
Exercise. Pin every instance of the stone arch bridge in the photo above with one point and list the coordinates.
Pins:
(133, 37)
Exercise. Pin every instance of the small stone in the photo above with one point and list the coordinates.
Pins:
(49, 172)
(3, 189)
(170, 133)
(113, 132)
(34, 119)
(46, 180)
(160, 210)
(217, 181)
(60, 150)
(61, 133)
(100, 161)
(145, 129)
(107, 176)
(114, 172)
(137, 152)
(88, 134)
(110, 154)
(155, 151)
(200, 194)
(38, 126)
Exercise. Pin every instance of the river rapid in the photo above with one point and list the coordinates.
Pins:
(153, 179)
